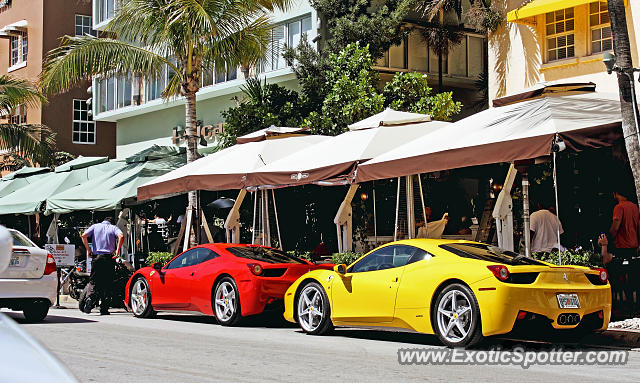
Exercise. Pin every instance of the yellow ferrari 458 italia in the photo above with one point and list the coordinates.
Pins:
(459, 290)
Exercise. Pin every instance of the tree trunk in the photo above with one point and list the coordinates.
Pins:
(624, 60)
(440, 72)
(192, 155)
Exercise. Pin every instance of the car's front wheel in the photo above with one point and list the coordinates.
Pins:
(140, 299)
(226, 301)
(456, 316)
(314, 311)
(36, 311)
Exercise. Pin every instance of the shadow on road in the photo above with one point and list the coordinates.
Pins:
(264, 320)
(52, 319)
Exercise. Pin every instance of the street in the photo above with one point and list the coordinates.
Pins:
(183, 348)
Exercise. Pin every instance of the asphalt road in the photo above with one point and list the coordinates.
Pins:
(180, 348)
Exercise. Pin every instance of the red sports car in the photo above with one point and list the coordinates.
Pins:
(225, 280)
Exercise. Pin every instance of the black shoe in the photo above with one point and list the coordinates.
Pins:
(104, 312)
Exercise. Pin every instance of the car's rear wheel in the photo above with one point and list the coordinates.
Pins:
(456, 317)
(36, 311)
(226, 301)
(313, 309)
(140, 299)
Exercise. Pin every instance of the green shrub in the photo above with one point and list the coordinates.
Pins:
(158, 256)
(346, 258)
(571, 257)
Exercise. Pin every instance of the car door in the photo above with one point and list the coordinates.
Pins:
(367, 292)
(173, 288)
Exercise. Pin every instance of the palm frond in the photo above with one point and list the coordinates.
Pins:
(14, 92)
(80, 58)
(36, 142)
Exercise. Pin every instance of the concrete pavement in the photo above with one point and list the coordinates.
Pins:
(181, 348)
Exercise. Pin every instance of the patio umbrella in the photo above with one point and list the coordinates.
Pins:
(29, 199)
(271, 132)
(119, 186)
(20, 178)
(523, 130)
(390, 117)
(225, 169)
(334, 161)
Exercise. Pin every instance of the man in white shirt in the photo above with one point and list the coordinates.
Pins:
(544, 231)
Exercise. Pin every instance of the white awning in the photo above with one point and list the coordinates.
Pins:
(13, 28)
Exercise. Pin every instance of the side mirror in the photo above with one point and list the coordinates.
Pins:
(340, 269)
(157, 266)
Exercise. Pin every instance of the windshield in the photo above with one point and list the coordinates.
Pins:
(489, 253)
(264, 254)
(20, 240)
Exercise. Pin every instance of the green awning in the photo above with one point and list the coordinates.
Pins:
(29, 199)
(119, 186)
(20, 178)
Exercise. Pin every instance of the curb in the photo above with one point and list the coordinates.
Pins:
(621, 338)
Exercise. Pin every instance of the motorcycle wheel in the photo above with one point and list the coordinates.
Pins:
(85, 303)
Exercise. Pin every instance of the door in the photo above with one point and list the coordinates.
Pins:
(367, 292)
(174, 287)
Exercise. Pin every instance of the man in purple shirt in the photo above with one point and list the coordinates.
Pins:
(107, 240)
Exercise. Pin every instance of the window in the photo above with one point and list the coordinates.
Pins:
(560, 37)
(488, 253)
(601, 38)
(84, 129)
(19, 48)
(288, 34)
(84, 26)
(389, 257)
(191, 258)
(105, 9)
(263, 254)
(19, 115)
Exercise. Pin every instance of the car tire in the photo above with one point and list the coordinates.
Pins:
(457, 325)
(140, 299)
(36, 311)
(313, 311)
(226, 302)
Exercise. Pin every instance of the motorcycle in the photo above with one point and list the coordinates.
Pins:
(78, 279)
(89, 300)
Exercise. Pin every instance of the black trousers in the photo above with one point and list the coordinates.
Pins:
(102, 274)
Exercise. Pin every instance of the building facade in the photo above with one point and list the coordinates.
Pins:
(28, 30)
(143, 118)
(556, 40)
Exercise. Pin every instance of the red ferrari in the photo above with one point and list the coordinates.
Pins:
(228, 281)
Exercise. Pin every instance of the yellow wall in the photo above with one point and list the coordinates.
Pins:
(517, 54)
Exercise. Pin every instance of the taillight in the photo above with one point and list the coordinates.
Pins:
(50, 266)
(500, 271)
(255, 268)
(603, 275)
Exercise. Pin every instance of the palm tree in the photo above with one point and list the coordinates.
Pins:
(32, 144)
(624, 61)
(185, 35)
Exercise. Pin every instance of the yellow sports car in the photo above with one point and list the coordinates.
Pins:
(459, 290)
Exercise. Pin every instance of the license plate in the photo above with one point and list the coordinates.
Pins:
(15, 261)
(568, 301)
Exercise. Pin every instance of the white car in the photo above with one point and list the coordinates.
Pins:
(29, 282)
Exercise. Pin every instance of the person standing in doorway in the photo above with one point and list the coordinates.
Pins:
(624, 225)
(544, 230)
(107, 240)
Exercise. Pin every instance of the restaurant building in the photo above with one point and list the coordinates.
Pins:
(143, 118)
(556, 40)
(28, 30)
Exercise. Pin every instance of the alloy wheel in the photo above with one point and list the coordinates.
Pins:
(225, 299)
(310, 308)
(139, 295)
(455, 316)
